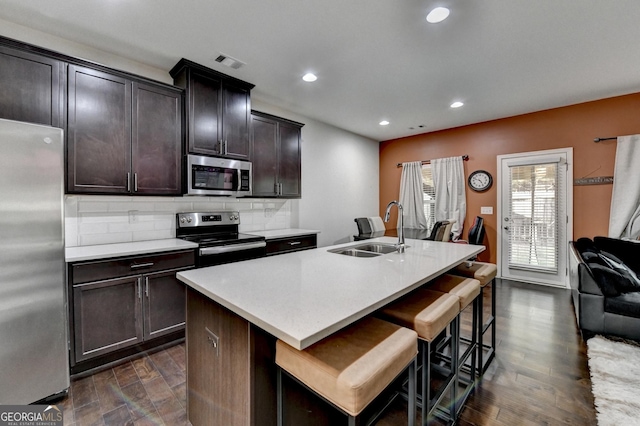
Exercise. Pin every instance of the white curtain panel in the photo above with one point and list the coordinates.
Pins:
(411, 196)
(451, 201)
(624, 217)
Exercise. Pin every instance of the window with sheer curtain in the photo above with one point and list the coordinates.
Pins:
(429, 196)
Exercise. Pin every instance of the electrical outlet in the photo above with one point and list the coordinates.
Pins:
(213, 340)
(486, 210)
(133, 216)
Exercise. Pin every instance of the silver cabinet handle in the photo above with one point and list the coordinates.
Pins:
(135, 182)
(226, 148)
(294, 243)
(146, 286)
(128, 182)
(231, 248)
(276, 188)
(139, 289)
(141, 265)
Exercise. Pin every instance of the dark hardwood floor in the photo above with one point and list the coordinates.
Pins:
(539, 375)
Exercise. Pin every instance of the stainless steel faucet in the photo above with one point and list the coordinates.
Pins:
(400, 246)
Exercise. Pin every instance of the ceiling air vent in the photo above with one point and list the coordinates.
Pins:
(229, 61)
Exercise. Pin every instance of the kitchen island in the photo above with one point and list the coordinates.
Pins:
(235, 312)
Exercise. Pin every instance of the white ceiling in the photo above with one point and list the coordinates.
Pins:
(375, 59)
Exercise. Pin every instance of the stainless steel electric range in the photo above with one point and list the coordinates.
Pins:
(217, 236)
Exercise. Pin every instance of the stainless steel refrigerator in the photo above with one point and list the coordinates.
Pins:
(33, 326)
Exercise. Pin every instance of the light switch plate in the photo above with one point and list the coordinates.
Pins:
(486, 210)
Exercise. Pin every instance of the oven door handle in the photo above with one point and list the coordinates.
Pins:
(207, 251)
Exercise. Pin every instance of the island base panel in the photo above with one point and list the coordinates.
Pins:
(218, 387)
(235, 382)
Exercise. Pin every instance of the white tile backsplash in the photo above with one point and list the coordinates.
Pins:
(93, 219)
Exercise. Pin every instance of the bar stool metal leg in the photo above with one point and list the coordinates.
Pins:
(483, 363)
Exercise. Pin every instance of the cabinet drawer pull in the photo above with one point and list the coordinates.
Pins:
(141, 265)
(294, 243)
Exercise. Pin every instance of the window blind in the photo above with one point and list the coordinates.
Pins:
(533, 217)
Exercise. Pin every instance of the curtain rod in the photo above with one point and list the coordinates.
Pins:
(464, 158)
(596, 140)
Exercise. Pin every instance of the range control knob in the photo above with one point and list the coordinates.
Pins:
(188, 220)
(182, 220)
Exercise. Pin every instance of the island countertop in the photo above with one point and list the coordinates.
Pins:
(305, 296)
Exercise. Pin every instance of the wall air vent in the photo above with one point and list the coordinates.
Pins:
(229, 61)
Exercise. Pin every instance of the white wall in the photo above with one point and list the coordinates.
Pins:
(339, 176)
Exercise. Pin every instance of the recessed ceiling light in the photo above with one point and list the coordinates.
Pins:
(309, 77)
(384, 123)
(438, 14)
(457, 104)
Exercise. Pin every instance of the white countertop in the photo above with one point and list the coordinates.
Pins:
(283, 233)
(304, 296)
(103, 251)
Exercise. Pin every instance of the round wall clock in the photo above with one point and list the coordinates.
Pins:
(480, 180)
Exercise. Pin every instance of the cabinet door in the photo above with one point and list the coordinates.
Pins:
(164, 304)
(236, 121)
(107, 316)
(264, 139)
(99, 132)
(156, 140)
(31, 88)
(205, 110)
(289, 174)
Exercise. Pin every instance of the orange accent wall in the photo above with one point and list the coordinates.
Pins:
(572, 126)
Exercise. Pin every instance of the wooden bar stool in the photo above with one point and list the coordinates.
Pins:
(486, 274)
(467, 291)
(429, 312)
(350, 368)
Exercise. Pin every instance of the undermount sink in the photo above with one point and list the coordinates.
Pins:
(366, 250)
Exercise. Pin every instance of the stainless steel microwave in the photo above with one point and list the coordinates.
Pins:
(218, 176)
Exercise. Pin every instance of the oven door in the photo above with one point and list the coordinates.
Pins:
(218, 255)
(218, 176)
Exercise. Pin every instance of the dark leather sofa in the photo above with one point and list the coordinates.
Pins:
(605, 286)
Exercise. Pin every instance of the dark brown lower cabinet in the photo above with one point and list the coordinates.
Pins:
(164, 304)
(107, 316)
(290, 244)
(125, 303)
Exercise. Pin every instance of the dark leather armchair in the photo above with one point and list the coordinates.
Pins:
(606, 299)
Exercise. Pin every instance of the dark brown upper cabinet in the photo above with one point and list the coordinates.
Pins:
(124, 136)
(218, 112)
(275, 144)
(31, 88)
